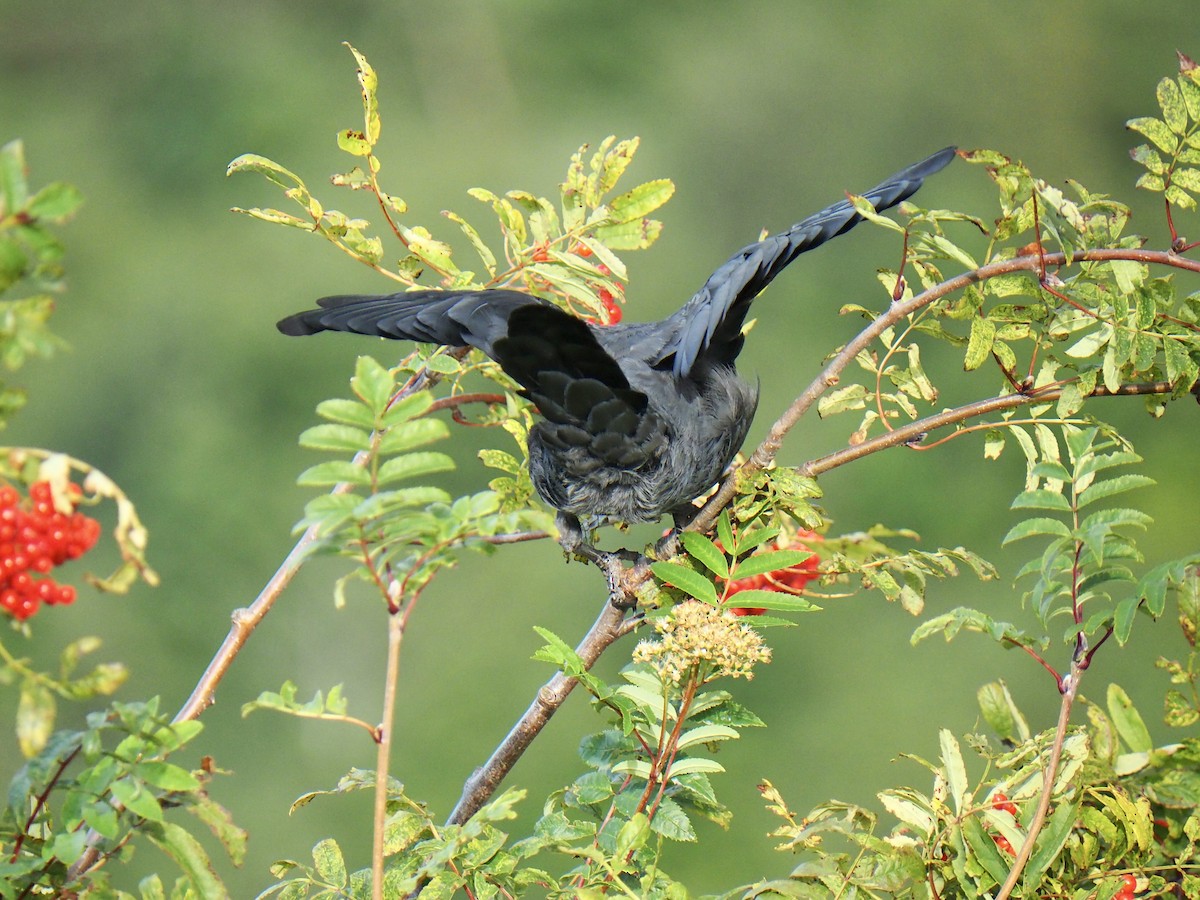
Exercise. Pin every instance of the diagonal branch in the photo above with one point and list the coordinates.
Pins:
(832, 373)
(608, 627)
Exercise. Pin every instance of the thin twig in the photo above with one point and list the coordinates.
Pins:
(244, 623)
(1071, 683)
(395, 638)
(907, 434)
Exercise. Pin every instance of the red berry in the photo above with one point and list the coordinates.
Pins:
(24, 608)
(1003, 843)
(1128, 887)
(66, 594)
(1001, 802)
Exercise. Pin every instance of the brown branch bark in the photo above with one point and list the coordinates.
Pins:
(832, 373)
(479, 788)
(914, 431)
(1071, 683)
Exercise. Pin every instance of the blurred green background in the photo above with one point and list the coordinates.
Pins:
(180, 388)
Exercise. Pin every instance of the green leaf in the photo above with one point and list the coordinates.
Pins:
(1123, 617)
(252, 162)
(353, 142)
(851, 397)
(189, 855)
(672, 822)
(134, 797)
(771, 561)
(979, 344)
(335, 437)
(413, 465)
(1110, 487)
(1129, 723)
(1036, 526)
(705, 552)
(327, 857)
(373, 384)
(1041, 499)
(334, 472)
(416, 433)
(636, 235)
(369, 82)
(1157, 131)
(1001, 712)
(485, 253)
(1170, 98)
(348, 412)
(901, 804)
(12, 263)
(13, 187)
(54, 203)
(1050, 842)
(703, 734)
(984, 849)
(233, 839)
(406, 408)
(633, 835)
(779, 601)
(641, 201)
(687, 580)
(693, 766)
(35, 717)
(955, 768)
(166, 776)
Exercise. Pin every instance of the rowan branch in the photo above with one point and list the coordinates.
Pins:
(831, 375)
(610, 625)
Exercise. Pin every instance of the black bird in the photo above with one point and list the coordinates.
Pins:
(639, 419)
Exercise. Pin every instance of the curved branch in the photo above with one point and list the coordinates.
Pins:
(831, 374)
(1070, 685)
(915, 431)
(608, 627)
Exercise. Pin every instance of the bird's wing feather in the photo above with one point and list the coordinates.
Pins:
(577, 385)
(454, 318)
(709, 324)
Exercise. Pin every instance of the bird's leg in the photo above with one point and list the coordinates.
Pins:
(610, 562)
(668, 545)
(570, 534)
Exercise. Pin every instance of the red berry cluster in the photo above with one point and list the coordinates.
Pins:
(792, 579)
(1001, 802)
(612, 312)
(34, 538)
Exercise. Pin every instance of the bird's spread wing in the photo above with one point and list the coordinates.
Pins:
(453, 318)
(578, 387)
(710, 323)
